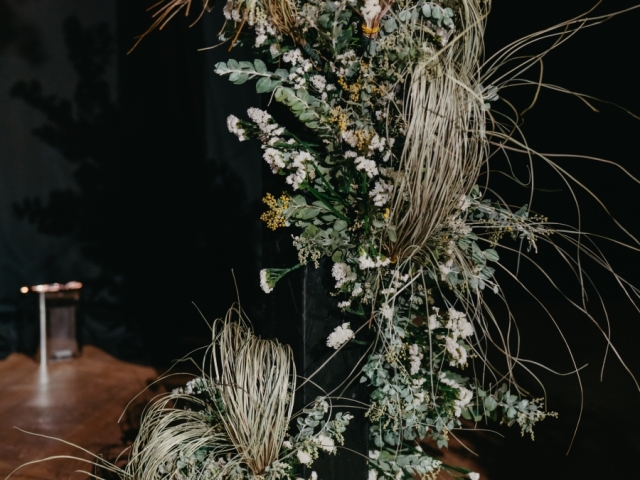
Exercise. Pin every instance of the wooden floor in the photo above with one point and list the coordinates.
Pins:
(80, 404)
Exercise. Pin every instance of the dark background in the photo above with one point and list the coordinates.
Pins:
(118, 171)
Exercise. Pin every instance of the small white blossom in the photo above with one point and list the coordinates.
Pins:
(373, 475)
(370, 10)
(377, 143)
(381, 192)
(387, 311)
(264, 284)
(319, 82)
(303, 163)
(350, 138)
(474, 476)
(304, 457)
(369, 166)
(344, 304)
(374, 454)
(275, 159)
(342, 273)
(325, 443)
(340, 336)
(233, 124)
(414, 358)
(365, 262)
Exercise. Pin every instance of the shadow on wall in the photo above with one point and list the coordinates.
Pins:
(164, 224)
(22, 35)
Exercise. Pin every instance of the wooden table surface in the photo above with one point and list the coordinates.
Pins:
(80, 403)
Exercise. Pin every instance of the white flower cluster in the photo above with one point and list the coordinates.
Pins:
(369, 166)
(350, 139)
(459, 327)
(370, 10)
(325, 443)
(233, 124)
(365, 262)
(342, 273)
(381, 192)
(300, 66)
(386, 311)
(304, 457)
(265, 122)
(347, 62)
(414, 358)
(231, 13)
(464, 394)
(340, 336)
(264, 29)
(319, 82)
(344, 304)
(274, 158)
(303, 163)
(264, 282)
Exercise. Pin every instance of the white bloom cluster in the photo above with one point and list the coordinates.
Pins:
(350, 138)
(377, 143)
(357, 290)
(264, 283)
(340, 336)
(387, 311)
(459, 327)
(365, 262)
(464, 394)
(319, 82)
(344, 304)
(381, 192)
(233, 124)
(300, 66)
(474, 476)
(325, 443)
(342, 273)
(370, 10)
(369, 166)
(304, 457)
(373, 475)
(274, 158)
(265, 122)
(231, 13)
(347, 61)
(264, 29)
(303, 163)
(414, 358)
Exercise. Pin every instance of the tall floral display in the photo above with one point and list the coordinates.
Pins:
(384, 164)
(382, 171)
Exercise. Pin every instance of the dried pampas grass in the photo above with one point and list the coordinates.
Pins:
(252, 381)
(446, 145)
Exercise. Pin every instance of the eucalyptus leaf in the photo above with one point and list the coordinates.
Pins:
(260, 66)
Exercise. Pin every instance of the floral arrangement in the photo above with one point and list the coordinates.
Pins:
(382, 166)
(383, 172)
